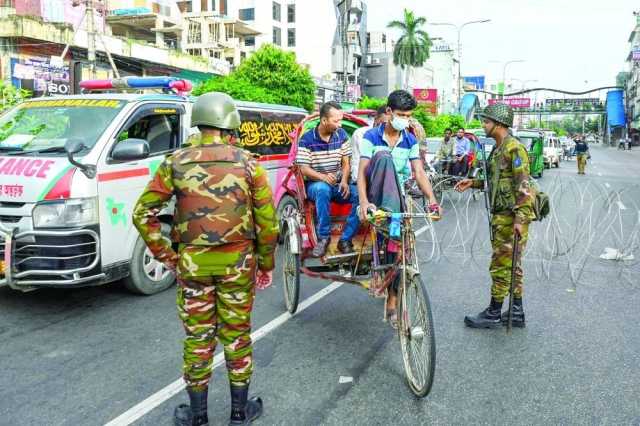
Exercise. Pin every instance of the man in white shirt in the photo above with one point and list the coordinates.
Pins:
(356, 139)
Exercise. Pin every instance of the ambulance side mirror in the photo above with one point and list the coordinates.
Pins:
(130, 149)
(74, 146)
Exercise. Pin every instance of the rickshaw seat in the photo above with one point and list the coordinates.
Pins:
(336, 209)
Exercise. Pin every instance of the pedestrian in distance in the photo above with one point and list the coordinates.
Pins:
(582, 152)
(226, 229)
(511, 207)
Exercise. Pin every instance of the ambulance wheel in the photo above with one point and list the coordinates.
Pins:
(286, 208)
(146, 275)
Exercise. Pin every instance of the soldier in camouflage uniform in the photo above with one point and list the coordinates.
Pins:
(225, 224)
(512, 202)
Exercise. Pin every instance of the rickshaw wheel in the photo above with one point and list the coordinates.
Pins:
(417, 337)
(291, 277)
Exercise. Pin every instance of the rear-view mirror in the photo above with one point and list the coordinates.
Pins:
(130, 149)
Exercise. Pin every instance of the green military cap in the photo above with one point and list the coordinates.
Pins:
(215, 110)
(500, 113)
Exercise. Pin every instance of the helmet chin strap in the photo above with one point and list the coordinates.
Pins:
(490, 134)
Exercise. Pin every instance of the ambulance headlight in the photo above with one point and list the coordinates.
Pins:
(71, 213)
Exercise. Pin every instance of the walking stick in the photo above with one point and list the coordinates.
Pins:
(514, 264)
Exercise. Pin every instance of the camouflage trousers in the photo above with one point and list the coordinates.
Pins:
(582, 162)
(219, 307)
(501, 261)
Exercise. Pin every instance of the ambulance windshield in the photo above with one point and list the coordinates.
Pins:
(46, 125)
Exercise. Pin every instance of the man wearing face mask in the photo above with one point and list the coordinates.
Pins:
(324, 155)
(389, 154)
(512, 201)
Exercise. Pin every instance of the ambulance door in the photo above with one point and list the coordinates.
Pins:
(120, 183)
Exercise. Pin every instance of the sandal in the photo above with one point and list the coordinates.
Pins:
(392, 317)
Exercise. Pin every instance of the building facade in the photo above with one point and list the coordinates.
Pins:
(632, 77)
(188, 39)
(294, 25)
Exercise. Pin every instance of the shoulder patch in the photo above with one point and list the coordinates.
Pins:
(517, 162)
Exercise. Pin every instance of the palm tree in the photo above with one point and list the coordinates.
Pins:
(412, 49)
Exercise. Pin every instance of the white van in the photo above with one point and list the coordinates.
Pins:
(71, 170)
(552, 150)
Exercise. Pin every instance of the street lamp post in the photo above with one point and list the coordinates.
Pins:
(524, 86)
(459, 31)
(504, 72)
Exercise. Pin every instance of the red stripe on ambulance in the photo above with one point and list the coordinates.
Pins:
(123, 174)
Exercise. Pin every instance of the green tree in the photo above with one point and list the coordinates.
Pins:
(11, 96)
(413, 46)
(269, 75)
(371, 103)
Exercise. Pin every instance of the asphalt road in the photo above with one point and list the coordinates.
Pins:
(86, 356)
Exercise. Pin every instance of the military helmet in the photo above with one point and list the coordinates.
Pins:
(215, 110)
(500, 113)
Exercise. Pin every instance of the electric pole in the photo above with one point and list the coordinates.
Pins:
(91, 38)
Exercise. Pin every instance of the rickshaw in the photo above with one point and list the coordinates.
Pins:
(382, 232)
(441, 180)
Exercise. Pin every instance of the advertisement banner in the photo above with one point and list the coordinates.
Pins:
(513, 102)
(427, 97)
(40, 76)
(572, 102)
(474, 83)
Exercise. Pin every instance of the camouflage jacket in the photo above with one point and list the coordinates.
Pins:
(222, 198)
(510, 190)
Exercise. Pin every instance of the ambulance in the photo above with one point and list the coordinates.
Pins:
(73, 167)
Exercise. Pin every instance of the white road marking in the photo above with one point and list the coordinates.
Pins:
(164, 394)
(139, 410)
(599, 174)
(621, 206)
(607, 185)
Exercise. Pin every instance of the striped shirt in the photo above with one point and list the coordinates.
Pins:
(323, 157)
(404, 151)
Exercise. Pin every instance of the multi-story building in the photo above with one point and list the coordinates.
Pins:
(350, 46)
(445, 75)
(382, 76)
(293, 25)
(201, 28)
(632, 90)
(144, 37)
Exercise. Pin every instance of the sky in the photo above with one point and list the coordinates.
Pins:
(565, 43)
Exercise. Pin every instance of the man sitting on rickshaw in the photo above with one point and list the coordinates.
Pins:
(445, 152)
(388, 155)
(323, 156)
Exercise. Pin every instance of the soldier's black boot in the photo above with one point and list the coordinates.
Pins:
(243, 410)
(194, 414)
(517, 317)
(489, 318)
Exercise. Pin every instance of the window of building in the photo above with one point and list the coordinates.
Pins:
(247, 14)
(277, 36)
(250, 41)
(185, 6)
(291, 37)
(291, 13)
(223, 7)
(384, 39)
(276, 11)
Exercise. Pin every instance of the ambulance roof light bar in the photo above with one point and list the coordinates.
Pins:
(179, 86)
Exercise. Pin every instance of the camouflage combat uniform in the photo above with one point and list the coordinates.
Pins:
(225, 224)
(511, 200)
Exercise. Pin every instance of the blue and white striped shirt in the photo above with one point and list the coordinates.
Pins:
(323, 157)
